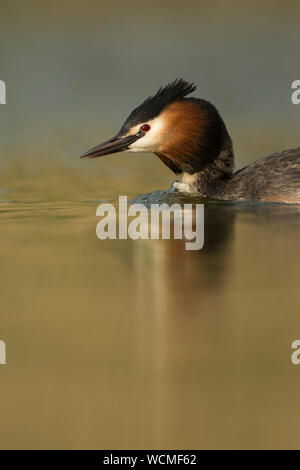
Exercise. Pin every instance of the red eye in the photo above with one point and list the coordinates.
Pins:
(145, 127)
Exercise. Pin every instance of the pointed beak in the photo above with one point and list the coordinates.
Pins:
(114, 145)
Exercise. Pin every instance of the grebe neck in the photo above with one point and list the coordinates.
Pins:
(211, 179)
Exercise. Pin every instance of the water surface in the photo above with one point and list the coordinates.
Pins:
(122, 344)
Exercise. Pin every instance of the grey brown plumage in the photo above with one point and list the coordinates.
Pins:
(275, 178)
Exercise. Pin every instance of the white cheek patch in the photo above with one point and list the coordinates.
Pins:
(150, 141)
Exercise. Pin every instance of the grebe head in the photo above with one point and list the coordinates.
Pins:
(187, 134)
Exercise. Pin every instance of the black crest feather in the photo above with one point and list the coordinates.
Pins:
(154, 105)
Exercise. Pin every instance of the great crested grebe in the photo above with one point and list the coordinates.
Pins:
(190, 137)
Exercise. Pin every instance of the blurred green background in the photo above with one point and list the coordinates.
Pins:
(124, 344)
